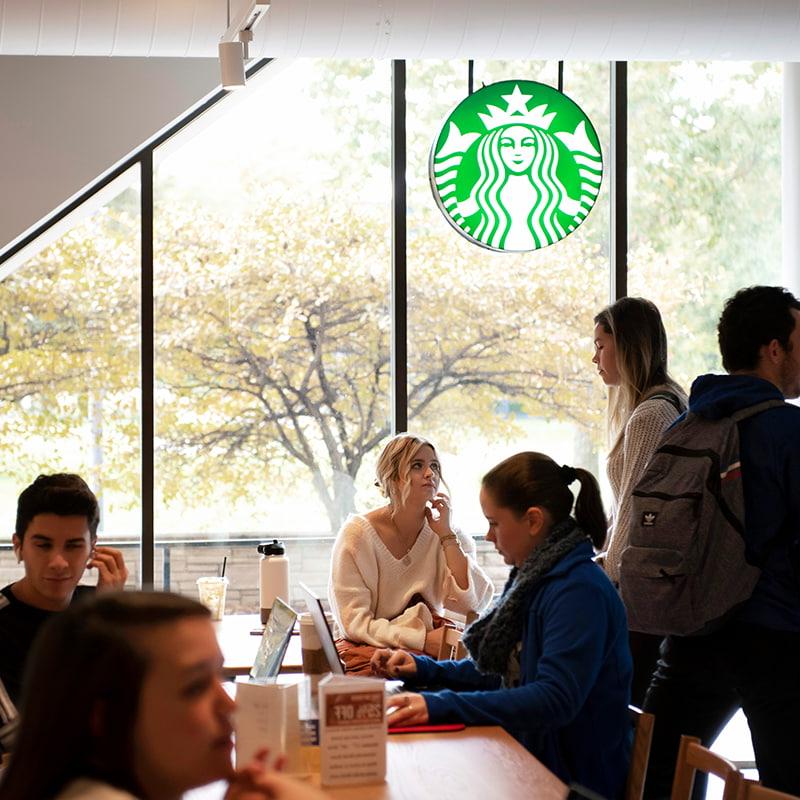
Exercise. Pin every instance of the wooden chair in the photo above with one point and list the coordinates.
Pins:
(692, 756)
(452, 646)
(642, 724)
(755, 791)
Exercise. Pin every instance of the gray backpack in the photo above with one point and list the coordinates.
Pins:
(684, 569)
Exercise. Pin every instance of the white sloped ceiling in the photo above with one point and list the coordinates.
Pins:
(567, 29)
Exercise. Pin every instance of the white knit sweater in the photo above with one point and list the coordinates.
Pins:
(370, 589)
(626, 464)
(86, 789)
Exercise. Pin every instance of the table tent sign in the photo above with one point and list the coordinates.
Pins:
(516, 167)
(352, 730)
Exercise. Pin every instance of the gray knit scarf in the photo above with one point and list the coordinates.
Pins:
(493, 641)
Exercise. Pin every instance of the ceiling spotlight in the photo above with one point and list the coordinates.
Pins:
(231, 65)
(234, 44)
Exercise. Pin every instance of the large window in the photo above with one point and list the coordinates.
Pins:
(273, 308)
(69, 371)
(705, 194)
(273, 246)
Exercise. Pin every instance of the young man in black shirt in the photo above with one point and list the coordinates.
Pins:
(55, 539)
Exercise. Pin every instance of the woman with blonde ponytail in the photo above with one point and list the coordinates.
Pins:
(549, 661)
(630, 350)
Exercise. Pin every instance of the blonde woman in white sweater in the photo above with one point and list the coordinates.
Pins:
(395, 570)
(630, 351)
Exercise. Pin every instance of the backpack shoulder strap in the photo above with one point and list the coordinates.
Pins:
(671, 398)
(750, 411)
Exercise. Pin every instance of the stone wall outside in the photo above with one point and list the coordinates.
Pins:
(309, 561)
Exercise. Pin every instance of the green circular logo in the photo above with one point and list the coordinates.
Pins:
(517, 166)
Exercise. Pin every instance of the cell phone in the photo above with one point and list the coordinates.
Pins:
(448, 728)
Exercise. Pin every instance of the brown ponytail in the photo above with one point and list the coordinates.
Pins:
(534, 479)
(589, 512)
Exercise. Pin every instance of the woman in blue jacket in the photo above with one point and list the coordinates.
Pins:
(549, 662)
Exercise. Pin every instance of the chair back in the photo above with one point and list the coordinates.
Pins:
(755, 791)
(692, 756)
(642, 724)
(452, 647)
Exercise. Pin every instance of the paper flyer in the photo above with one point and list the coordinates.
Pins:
(352, 730)
(267, 716)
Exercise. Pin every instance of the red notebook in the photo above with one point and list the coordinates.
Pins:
(456, 726)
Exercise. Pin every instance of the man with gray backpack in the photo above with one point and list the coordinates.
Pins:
(714, 554)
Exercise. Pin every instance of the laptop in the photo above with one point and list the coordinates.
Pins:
(314, 606)
(274, 641)
(335, 664)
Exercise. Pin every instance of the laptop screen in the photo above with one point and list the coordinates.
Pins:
(274, 641)
(314, 606)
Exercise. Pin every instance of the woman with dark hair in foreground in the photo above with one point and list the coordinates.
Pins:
(122, 701)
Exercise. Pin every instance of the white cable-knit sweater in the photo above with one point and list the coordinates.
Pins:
(626, 464)
(370, 590)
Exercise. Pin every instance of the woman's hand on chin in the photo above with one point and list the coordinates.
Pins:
(438, 515)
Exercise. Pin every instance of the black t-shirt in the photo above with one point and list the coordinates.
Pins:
(19, 626)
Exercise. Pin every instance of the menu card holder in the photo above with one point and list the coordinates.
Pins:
(352, 730)
(267, 716)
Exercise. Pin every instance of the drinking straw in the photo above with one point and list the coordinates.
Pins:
(224, 564)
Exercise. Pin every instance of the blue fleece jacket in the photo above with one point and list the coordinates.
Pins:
(570, 709)
(769, 449)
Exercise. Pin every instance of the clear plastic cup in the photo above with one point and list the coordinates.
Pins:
(212, 594)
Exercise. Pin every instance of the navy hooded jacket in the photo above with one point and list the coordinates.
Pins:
(769, 450)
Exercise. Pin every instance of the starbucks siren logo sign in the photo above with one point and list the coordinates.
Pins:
(516, 167)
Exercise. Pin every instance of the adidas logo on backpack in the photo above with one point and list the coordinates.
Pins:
(684, 569)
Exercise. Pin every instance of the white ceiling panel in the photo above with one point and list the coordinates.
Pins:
(59, 26)
(403, 26)
(97, 28)
(20, 21)
(173, 29)
(138, 23)
(350, 28)
(568, 29)
(482, 16)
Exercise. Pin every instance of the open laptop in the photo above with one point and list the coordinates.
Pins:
(335, 664)
(274, 641)
(314, 606)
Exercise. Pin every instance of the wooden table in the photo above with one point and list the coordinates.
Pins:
(239, 645)
(473, 764)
